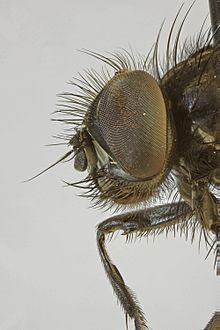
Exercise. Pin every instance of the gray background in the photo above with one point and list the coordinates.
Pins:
(50, 274)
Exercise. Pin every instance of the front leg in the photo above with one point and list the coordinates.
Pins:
(154, 221)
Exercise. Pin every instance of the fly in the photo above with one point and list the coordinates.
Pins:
(142, 128)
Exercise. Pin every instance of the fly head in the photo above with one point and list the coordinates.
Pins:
(126, 138)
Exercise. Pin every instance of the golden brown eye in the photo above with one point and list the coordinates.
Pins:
(129, 120)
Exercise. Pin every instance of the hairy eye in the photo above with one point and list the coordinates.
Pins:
(128, 118)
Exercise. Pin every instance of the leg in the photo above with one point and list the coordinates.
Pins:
(142, 223)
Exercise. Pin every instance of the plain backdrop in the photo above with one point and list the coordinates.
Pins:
(51, 277)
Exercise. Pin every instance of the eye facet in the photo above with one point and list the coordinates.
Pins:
(128, 119)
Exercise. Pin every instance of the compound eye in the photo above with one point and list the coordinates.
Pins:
(129, 120)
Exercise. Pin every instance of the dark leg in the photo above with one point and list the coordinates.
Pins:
(214, 6)
(141, 223)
